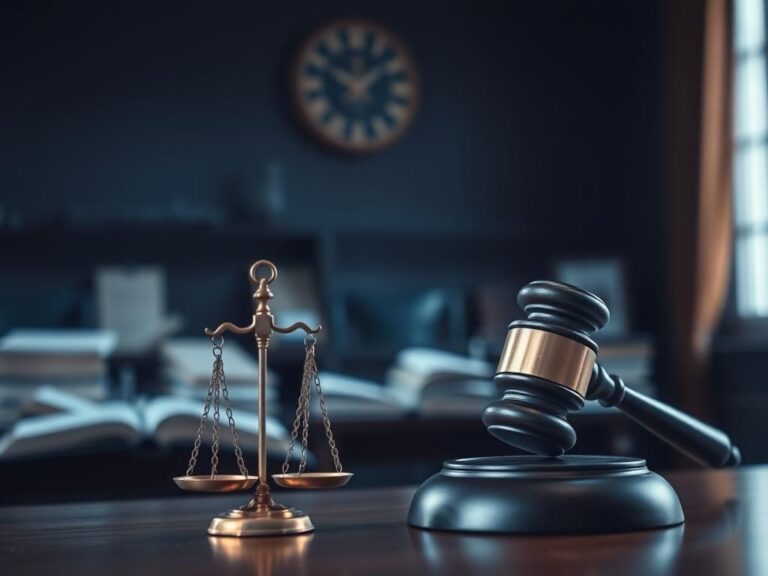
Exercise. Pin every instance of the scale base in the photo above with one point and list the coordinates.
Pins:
(538, 495)
(276, 521)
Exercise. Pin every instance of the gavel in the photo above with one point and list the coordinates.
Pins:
(549, 367)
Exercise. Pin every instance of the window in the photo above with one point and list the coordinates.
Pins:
(751, 159)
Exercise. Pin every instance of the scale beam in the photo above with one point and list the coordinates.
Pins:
(229, 327)
(296, 326)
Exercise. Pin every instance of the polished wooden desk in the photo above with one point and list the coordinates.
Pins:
(364, 532)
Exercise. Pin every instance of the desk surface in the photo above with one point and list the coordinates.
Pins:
(364, 532)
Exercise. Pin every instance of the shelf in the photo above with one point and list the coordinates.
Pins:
(176, 245)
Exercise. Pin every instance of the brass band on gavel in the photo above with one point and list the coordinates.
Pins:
(549, 356)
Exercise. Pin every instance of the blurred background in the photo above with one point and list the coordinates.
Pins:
(408, 167)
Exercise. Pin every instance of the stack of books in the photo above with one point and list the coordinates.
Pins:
(188, 363)
(75, 361)
(440, 383)
(422, 382)
(631, 358)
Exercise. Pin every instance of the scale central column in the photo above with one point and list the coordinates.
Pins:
(262, 344)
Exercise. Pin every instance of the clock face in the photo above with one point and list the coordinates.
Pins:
(355, 86)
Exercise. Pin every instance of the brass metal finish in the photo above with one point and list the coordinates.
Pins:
(218, 483)
(271, 522)
(312, 480)
(261, 516)
(263, 264)
(548, 355)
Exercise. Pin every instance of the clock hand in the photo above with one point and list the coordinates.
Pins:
(358, 85)
(370, 77)
(356, 90)
(344, 78)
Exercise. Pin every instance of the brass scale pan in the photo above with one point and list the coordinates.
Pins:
(235, 482)
(218, 483)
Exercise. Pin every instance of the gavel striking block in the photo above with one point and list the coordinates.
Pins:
(549, 368)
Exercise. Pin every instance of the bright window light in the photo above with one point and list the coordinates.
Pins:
(750, 175)
(751, 103)
(749, 21)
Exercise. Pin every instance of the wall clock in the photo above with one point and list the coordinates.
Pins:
(355, 86)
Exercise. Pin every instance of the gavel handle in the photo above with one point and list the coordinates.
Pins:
(700, 441)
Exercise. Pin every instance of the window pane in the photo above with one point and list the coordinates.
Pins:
(752, 274)
(751, 185)
(751, 118)
(749, 24)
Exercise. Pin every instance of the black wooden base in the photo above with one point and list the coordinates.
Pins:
(538, 495)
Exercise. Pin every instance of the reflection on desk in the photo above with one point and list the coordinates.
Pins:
(269, 555)
(648, 552)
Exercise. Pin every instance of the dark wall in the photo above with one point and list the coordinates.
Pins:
(533, 113)
(537, 118)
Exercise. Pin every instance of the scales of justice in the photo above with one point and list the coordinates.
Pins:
(262, 516)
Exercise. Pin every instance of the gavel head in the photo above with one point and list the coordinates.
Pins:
(546, 367)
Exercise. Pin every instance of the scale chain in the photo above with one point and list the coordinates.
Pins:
(232, 428)
(215, 429)
(201, 428)
(326, 419)
(310, 377)
(305, 423)
(297, 423)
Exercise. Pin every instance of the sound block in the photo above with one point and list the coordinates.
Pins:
(539, 495)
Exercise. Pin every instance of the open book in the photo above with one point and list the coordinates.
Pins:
(70, 423)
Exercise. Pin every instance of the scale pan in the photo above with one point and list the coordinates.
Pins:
(312, 480)
(219, 483)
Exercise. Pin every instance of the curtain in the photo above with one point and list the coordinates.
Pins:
(699, 184)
